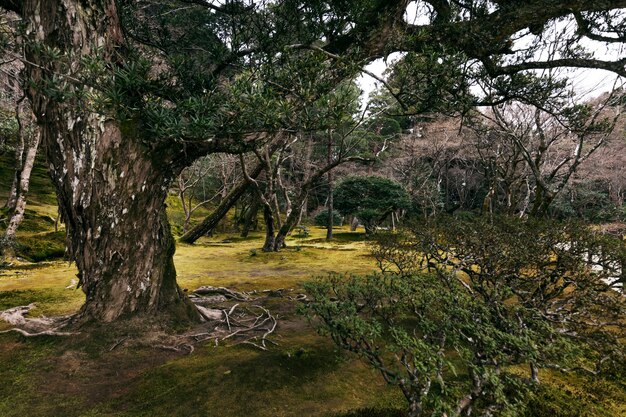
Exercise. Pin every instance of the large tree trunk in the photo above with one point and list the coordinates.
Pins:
(118, 232)
(111, 188)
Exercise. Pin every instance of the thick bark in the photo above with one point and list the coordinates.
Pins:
(111, 188)
(17, 211)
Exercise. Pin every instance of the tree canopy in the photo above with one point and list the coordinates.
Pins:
(129, 93)
(371, 199)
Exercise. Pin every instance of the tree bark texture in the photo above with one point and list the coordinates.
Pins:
(111, 188)
(19, 153)
(16, 210)
(270, 237)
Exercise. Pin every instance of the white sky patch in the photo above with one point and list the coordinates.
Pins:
(588, 83)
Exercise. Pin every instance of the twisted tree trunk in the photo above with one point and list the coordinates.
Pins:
(111, 188)
(211, 221)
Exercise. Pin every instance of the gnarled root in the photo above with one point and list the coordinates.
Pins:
(31, 327)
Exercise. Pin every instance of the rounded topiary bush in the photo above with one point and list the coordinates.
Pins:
(322, 218)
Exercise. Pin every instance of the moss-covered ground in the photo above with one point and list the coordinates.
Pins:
(93, 374)
(304, 375)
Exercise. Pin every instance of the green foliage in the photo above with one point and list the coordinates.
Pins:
(443, 347)
(587, 200)
(370, 199)
(469, 301)
(556, 272)
(429, 82)
(321, 219)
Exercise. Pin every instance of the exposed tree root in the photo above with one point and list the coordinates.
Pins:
(229, 317)
(229, 294)
(42, 333)
(32, 327)
(245, 322)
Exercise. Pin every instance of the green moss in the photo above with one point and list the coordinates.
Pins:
(41, 189)
(575, 395)
(33, 221)
(48, 302)
(303, 376)
(238, 381)
(41, 247)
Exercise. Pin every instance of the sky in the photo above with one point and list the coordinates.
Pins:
(587, 83)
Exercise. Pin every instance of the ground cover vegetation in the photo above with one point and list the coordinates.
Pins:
(176, 174)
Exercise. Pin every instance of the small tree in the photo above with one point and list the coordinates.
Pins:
(321, 219)
(445, 349)
(471, 302)
(563, 274)
(371, 199)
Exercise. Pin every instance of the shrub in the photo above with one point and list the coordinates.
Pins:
(461, 303)
(321, 219)
(302, 232)
(371, 199)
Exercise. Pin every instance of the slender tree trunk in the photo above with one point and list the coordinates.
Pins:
(274, 200)
(299, 204)
(183, 200)
(17, 213)
(56, 221)
(354, 223)
(307, 176)
(329, 223)
(250, 217)
(19, 164)
(543, 200)
(302, 211)
(268, 217)
(111, 188)
(291, 221)
(534, 373)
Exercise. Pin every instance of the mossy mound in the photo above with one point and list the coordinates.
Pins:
(41, 247)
